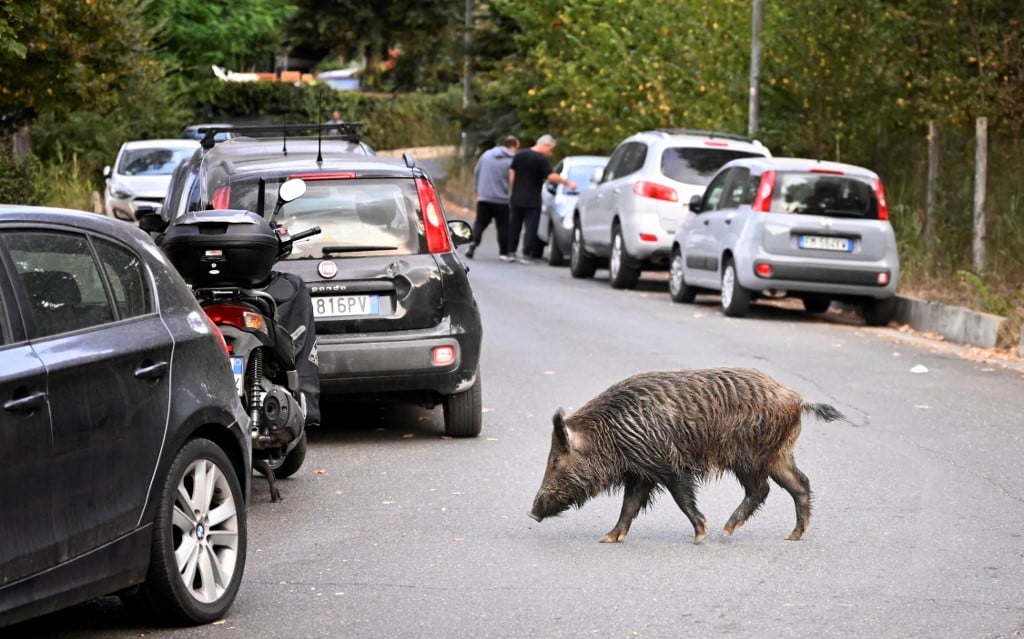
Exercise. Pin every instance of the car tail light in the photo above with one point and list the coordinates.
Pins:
(716, 143)
(827, 171)
(648, 237)
(222, 198)
(433, 219)
(763, 269)
(238, 316)
(655, 191)
(442, 355)
(883, 206)
(882, 278)
(220, 336)
(763, 199)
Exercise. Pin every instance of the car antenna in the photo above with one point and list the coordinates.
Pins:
(320, 129)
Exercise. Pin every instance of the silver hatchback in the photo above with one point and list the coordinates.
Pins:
(778, 227)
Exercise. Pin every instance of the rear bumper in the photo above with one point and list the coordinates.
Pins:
(854, 280)
(365, 364)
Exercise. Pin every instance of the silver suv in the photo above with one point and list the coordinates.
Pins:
(628, 218)
(775, 227)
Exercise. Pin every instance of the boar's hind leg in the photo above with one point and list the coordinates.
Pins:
(683, 492)
(636, 495)
(786, 474)
(757, 488)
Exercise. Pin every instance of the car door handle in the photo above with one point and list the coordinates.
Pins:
(151, 371)
(27, 404)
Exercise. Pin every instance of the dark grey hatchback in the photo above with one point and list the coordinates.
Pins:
(394, 311)
(124, 451)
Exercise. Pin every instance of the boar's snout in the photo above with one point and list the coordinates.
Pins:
(534, 516)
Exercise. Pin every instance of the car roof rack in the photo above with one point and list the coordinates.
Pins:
(710, 134)
(348, 131)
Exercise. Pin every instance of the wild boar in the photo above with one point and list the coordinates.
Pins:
(673, 430)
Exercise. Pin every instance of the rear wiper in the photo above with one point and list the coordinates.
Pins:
(328, 250)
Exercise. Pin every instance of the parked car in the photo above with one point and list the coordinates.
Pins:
(559, 201)
(141, 173)
(223, 131)
(775, 227)
(116, 475)
(394, 311)
(627, 220)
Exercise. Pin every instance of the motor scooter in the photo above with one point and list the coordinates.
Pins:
(227, 256)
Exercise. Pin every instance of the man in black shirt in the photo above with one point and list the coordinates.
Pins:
(529, 170)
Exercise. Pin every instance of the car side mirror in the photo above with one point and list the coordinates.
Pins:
(106, 171)
(598, 175)
(695, 201)
(461, 232)
(149, 219)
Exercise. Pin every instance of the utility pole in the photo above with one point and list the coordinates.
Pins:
(753, 111)
(467, 74)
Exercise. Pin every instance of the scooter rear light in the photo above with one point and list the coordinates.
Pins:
(433, 218)
(222, 198)
(237, 316)
(220, 336)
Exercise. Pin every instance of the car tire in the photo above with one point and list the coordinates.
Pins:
(816, 302)
(879, 312)
(735, 298)
(198, 550)
(292, 462)
(581, 265)
(555, 255)
(678, 290)
(621, 272)
(463, 412)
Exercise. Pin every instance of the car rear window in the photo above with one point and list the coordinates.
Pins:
(697, 165)
(824, 194)
(357, 217)
(152, 161)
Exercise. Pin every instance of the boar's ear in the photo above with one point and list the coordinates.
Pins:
(559, 421)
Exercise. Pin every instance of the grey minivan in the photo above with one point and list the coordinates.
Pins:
(778, 227)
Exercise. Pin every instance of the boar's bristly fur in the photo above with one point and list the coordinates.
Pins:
(672, 430)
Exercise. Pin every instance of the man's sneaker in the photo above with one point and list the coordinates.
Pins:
(470, 251)
(523, 259)
(505, 258)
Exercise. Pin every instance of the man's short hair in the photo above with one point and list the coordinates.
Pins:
(546, 139)
(510, 141)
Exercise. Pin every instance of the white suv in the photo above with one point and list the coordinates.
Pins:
(629, 217)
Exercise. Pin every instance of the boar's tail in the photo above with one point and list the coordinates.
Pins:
(824, 412)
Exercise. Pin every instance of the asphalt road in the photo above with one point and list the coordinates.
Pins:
(391, 530)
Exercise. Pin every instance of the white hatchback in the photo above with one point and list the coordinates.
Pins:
(628, 218)
(142, 173)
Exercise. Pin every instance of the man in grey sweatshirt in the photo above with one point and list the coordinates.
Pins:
(490, 179)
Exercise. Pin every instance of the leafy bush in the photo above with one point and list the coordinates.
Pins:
(21, 180)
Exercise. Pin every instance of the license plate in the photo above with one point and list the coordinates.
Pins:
(825, 243)
(345, 305)
(238, 368)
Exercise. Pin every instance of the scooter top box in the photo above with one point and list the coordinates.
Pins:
(222, 248)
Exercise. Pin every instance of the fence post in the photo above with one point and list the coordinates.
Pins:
(932, 180)
(980, 175)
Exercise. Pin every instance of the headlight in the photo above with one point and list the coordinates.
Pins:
(119, 192)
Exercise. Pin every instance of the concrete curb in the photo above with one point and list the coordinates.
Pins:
(957, 324)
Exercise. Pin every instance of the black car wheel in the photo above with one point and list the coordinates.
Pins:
(677, 287)
(879, 312)
(463, 412)
(555, 255)
(735, 298)
(581, 265)
(622, 272)
(199, 538)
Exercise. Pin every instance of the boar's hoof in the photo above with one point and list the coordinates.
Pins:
(614, 537)
(699, 537)
(795, 535)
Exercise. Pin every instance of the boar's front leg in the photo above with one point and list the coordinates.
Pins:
(636, 495)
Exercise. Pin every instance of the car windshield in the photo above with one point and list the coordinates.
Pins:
(824, 194)
(697, 165)
(152, 161)
(357, 217)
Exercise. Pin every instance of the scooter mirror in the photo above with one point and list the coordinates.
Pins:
(291, 189)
